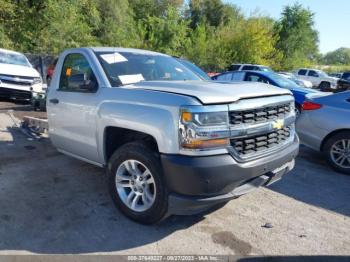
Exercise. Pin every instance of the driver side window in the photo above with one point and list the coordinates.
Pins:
(75, 65)
(313, 73)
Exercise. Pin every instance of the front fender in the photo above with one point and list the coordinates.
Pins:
(159, 122)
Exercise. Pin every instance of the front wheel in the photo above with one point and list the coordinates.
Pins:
(337, 149)
(136, 183)
(325, 86)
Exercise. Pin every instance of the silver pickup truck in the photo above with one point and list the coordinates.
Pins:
(171, 142)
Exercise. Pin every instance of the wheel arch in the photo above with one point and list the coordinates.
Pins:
(114, 137)
(333, 133)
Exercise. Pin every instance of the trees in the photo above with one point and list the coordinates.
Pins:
(211, 33)
(297, 37)
(167, 34)
(212, 12)
(6, 15)
(341, 56)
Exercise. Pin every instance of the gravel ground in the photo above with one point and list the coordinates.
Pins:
(54, 204)
(20, 109)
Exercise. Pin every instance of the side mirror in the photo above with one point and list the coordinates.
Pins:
(81, 82)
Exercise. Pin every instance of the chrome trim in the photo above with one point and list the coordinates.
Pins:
(16, 79)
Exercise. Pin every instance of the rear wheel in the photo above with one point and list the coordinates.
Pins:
(136, 183)
(337, 149)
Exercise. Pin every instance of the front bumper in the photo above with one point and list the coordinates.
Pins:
(197, 183)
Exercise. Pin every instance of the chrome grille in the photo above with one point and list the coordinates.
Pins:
(259, 143)
(259, 115)
(17, 80)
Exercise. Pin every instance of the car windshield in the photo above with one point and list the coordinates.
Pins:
(124, 68)
(282, 81)
(194, 68)
(14, 59)
(321, 73)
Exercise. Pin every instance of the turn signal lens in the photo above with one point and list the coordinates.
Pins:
(307, 105)
(205, 144)
(186, 117)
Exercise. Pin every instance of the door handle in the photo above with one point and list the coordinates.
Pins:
(54, 101)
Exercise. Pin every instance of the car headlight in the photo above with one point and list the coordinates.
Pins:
(37, 80)
(204, 127)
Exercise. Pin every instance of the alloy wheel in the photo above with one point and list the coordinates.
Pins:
(135, 185)
(340, 153)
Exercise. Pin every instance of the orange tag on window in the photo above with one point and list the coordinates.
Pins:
(68, 71)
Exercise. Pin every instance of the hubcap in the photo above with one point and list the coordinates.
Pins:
(135, 185)
(340, 153)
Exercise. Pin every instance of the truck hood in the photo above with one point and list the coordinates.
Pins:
(212, 92)
(18, 70)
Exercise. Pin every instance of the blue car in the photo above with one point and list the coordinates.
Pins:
(300, 93)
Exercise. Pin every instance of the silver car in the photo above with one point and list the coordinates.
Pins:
(324, 125)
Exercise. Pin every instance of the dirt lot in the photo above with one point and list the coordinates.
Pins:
(51, 203)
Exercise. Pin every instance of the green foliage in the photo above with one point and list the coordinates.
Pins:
(297, 38)
(211, 33)
(168, 34)
(145, 8)
(213, 12)
(341, 56)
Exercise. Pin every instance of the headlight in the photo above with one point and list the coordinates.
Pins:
(204, 127)
(37, 80)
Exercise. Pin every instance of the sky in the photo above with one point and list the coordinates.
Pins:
(332, 18)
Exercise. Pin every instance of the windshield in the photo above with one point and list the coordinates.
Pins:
(194, 68)
(282, 81)
(321, 73)
(14, 59)
(124, 68)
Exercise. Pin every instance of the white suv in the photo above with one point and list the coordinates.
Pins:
(318, 78)
(250, 67)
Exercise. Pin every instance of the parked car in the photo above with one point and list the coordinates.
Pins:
(171, 142)
(241, 67)
(344, 82)
(318, 78)
(300, 82)
(194, 68)
(324, 126)
(18, 79)
(272, 78)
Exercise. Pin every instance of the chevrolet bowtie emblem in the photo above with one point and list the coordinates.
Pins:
(278, 124)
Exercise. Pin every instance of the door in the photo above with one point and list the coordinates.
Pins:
(302, 74)
(72, 109)
(314, 77)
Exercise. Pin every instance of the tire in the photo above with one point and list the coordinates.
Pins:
(152, 204)
(325, 86)
(333, 154)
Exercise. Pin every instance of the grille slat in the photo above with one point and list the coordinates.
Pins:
(259, 115)
(253, 144)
